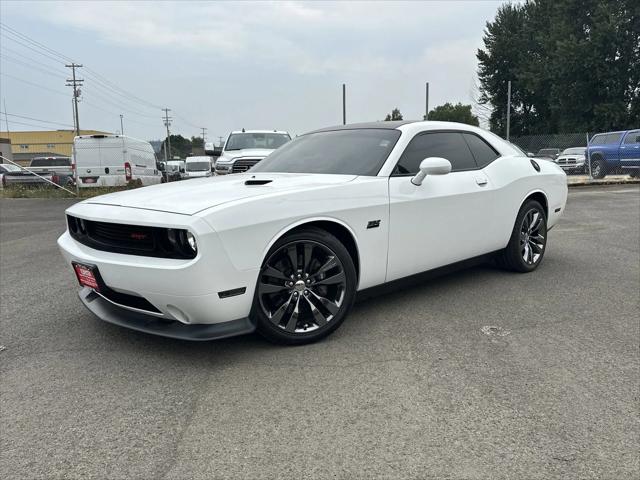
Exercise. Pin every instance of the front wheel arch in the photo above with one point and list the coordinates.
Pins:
(338, 229)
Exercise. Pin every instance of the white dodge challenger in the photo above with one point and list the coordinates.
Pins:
(283, 248)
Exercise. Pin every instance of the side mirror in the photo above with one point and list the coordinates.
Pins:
(161, 167)
(431, 166)
(181, 170)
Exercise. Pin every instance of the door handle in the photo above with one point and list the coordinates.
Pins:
(482, 181)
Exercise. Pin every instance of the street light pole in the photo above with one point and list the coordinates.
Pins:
(121, 125)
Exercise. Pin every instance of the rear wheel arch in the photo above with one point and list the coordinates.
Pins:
(539, 197)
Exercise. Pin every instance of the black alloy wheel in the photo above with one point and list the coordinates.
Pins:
(528, 241)
(305, 288)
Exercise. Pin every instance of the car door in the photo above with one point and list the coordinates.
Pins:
(444, 220)
(630, 149)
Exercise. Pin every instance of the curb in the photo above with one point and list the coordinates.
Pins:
(597, 183)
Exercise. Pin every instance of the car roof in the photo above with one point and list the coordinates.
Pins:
(260, 131)
(357, 126)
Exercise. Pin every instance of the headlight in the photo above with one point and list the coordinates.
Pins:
(191, 240)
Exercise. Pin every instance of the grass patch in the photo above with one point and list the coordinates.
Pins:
(22, 191)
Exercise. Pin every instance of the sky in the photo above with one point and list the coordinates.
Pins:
(232, 65)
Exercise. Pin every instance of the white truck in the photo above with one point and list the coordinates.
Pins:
(244, 148)
(197, 166)
(113, 160)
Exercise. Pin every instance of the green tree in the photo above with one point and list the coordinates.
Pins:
(394, 115)
(454, 113)
(574, 66)
(196, 142)
(180, 146)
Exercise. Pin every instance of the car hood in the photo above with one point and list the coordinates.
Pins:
(193, 196)
(229, 155)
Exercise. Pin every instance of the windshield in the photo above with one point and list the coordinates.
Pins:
(7, 167)
(198, 166)
(50, 162)
(346, 152)
(574, 151)
(240, 141)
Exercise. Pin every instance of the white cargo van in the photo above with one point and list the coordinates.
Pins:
(113, 160)
(197, 166)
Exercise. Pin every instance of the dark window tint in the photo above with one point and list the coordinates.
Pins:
(50, 162)
(632, 137)
(480, 149)
(348, 152)
(449, 145)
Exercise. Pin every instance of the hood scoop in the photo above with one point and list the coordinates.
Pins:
(257, 182)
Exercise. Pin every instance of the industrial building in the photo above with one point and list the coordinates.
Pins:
(28, 144)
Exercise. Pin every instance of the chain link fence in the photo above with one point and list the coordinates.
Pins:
(570, 152)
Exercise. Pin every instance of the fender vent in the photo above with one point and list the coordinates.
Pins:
(535, 165)
(257, 182)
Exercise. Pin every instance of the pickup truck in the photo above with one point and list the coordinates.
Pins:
(55, 169)
(612, 151)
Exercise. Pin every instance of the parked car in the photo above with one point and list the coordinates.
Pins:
(284, 248)
(573, 159)
(172, 170)
(12, 175)
(548, 153)
(112, 160)
(7, 168)
(197, 166)
(59, 165)
(614, 150)
(245, 148)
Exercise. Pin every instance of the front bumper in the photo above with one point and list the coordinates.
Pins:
(110, 312)
(191, 292)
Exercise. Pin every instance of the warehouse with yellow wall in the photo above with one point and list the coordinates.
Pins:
(28, 144)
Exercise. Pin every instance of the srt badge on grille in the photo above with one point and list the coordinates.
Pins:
(138, 236)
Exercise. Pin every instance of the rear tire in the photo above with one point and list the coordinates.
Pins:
(305, 289)
(528, 241)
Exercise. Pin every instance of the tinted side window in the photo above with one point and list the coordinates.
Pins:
(449, 145)
(632, 137)
(482, 152)
(613, 138)
(597, 140)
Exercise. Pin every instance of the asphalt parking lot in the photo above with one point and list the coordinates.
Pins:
(476, 374)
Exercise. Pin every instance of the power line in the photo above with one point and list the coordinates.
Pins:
(101, 82)
(35, 43)
(32, 84)
(36, 119)
(25, 64)
(16, 122)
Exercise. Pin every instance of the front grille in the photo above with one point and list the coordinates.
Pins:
(130, 239)
(244, 164)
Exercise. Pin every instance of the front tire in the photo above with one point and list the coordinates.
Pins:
(305, 288)
(598, 168)
(528, 240)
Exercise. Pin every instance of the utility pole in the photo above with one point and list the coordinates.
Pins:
(344, 104)
(203, 135)
(167, 145)
(76, 83)
(121, 125)
(426, 102)
(508, 108)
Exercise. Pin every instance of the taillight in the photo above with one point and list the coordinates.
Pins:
(127, 171)
(55, 179)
